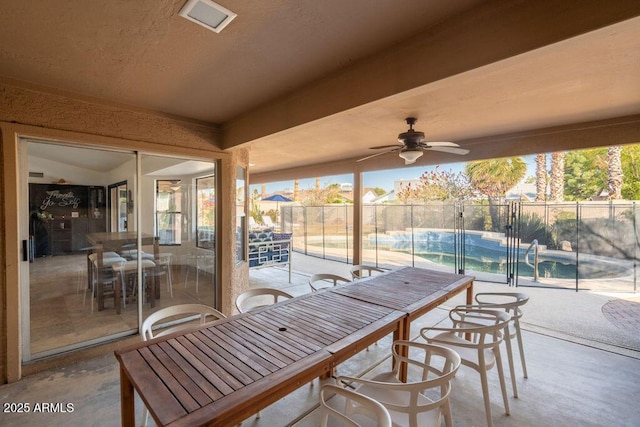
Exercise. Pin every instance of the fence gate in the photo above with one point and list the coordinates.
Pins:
(459, 238)
(512, 234)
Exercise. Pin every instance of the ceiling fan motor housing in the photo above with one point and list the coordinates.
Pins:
(411, 138)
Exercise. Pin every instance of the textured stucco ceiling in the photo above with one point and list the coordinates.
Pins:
(306, 82)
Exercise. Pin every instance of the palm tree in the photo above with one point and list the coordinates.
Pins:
(541, 177)
(494, 178)
(557, 176)
(614, 167)
(296, 190)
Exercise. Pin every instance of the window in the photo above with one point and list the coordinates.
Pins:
(206, 212)
(241, 213)
(169, 212)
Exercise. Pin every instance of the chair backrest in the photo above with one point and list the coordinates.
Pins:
(357, 408)
(435, 367)
(321, 280)
(360, 271)
(508, 301)
(177, 313)
(267, 296)
(483, 327)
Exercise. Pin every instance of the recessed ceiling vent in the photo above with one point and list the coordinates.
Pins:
(207, 14)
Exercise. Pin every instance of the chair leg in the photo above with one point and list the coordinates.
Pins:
(485, 389)
(485, 394)
(521, 348)
(169, 280)
(503, 384)
(512, 370)
(446, 413)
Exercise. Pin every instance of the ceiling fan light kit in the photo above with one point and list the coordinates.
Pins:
(410, 156)
(412, 145)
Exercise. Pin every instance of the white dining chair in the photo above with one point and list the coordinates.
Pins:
(325, 280)
(423, 400)
(347, 408)
(478, 346)
(360, 271)
(512, 303)
(259, 297)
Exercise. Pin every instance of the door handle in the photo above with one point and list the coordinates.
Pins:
(28, 249)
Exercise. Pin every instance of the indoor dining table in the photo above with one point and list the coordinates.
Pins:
(115, 241)
(223, 372)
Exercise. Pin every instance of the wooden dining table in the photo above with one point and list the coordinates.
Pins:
(414, 291)
(225, 371)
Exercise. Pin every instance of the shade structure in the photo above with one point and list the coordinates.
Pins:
(277, 198)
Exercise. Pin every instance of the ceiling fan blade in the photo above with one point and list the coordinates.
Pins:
(428, 144)
(452, 150)
(376, 155)
(386, 146)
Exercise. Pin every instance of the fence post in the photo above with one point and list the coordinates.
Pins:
(578, 215)
(413, 249)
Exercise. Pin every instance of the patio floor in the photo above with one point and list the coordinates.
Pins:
(582, 349)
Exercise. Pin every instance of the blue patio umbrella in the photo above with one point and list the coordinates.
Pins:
(277, 198)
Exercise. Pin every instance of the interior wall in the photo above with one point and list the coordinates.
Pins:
(36, 113)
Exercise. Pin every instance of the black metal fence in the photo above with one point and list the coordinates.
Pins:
(587, 245)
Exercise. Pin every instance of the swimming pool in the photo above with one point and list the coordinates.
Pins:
(486, 252)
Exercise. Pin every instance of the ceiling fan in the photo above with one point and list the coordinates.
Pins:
(412, 144)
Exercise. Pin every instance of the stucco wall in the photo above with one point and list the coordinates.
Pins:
(237, 279)
(39, 113)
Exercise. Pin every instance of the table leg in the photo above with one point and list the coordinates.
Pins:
(403, 332)
(156, 279)
(467, 336)
(127, 401)
(99, 277)
(117, 290)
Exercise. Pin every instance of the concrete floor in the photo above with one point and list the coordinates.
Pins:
(583, 370)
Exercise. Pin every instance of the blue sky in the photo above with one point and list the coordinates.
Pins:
(383, 179)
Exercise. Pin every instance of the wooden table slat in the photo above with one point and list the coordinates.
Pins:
(274, 334)
(244, 376)
(151, 388)
(184, 347)
(269, 352)
(192, 373)
(249, 351)
(296, 325)
(184, 379)
(178, 390)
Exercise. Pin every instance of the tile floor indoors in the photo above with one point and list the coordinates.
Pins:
(583, 370)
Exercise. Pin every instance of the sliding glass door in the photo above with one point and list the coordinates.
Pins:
(111, 236)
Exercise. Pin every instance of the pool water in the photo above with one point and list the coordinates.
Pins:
(546, 268)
